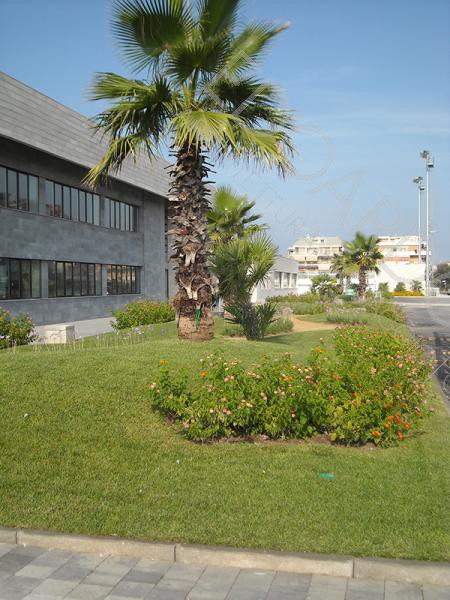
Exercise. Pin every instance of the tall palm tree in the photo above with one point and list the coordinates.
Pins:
(230, 217)
(364, 253)
(342, 266)
(200, 97)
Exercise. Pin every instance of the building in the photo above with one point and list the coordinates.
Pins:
(402, 262)
(280, 281)
(314, 254)
(68, 252)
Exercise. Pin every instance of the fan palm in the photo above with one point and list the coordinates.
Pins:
(342, 266)
(230, 218)
(364, 253)
(200, 97)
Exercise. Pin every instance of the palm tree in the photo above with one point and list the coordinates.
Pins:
(416, 286)
(200, 97)
(324, 285)
(342, 266)
(230, 216)
(363, 253)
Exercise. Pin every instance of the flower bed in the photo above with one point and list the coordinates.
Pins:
(15, 331)
(371, 389)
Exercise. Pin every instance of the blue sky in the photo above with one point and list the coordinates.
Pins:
(369, 83)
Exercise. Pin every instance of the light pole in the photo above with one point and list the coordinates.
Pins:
(429, 165)
(419, 182)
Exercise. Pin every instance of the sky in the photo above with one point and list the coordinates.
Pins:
(368, 82)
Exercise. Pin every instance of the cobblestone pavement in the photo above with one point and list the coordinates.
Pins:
(31, 573)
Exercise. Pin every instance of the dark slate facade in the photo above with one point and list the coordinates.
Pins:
(42, 143)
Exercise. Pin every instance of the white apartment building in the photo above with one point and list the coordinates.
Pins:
(315, 254)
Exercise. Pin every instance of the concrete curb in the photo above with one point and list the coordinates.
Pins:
(411, 571)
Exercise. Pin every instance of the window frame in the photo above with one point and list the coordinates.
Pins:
(24, 267)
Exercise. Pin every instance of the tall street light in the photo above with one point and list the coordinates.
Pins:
(429, 165)
(419, 182)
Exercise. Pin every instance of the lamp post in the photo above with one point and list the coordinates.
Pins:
(419, 182)
(429, 165)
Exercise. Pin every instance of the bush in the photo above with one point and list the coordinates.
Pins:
(307, 308)
(277, 326)
(400, 287)
(407, 293)
(371, 389)
(347, 317)
(254, 319)
(308, 297)
(143, 312)
(15, 331)
(386, 309)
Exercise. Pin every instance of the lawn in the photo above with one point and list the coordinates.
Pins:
(82, 451)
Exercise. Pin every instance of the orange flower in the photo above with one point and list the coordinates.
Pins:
(163, 362)
(407, 425)
(400, 435)
(203, 374)
(376, 433)
(387, 425)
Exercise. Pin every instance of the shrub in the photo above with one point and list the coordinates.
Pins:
(347, 317)
(308, 297)
(371, 389)
(143, 312)
(254, 319)
(277, 326)
(407, 293)
(386, 309)
(400, 287)
(307, 308)
(15, 331)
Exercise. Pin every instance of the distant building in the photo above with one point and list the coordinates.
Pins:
(315, 254)
(281, 280)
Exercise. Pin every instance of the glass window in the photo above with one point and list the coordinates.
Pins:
(96, 209)
(35, 278)
(49, 197)
(117, 215)
(23, 192)
(76, 279)
(4, 278)
(14, 278)
(132, 218)
(84, 279)
(68, 275)
(74, 203)
(133, 280)
(285, 280)
(33, 193)
(66, 202)
(98, 280)
(58, 212)
(89, 208)
(51, 279)
(25, 279)
(2, 187)
(121, 279)
(60, 279)
(122, 216)
(107, 212)
(82, 205)
(91, 280)
(12, 189)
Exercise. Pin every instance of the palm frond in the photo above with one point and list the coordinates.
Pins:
(212, 130)
(217, 16)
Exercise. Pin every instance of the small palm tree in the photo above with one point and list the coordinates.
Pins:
(416, 286)
(199, 96)
(363, 253)
(343, 267)
(324, 285)
(230, 216)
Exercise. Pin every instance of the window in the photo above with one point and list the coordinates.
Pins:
(66, 202)
(277, 279)
(20, 278)
(119, 215)
(3, 191)
(74, 279)
(285, 280)
(122, 279)
(18, 190)
(74, 203)
(12, 189)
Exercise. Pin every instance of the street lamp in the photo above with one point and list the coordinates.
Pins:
(429, 165)
(419, 182)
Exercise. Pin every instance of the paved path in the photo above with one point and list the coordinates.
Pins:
(429, 319)
(32, 573)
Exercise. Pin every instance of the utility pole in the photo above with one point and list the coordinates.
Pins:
(429, 165)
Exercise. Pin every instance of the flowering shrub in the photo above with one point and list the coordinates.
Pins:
(371, 389)
(143, 312)
(407, 293)
(386, 309)
(15, 331)
(346, 316)
(307, 308)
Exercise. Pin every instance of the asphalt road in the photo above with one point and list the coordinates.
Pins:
(429, 319)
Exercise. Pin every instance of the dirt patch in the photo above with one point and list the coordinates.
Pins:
(302, 325)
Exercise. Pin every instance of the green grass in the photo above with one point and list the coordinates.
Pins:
(82, 451)
(373, 320)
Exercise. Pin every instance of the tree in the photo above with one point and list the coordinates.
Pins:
(416, 286)
(364, 254)
(383, 287)
(324, 285)
(240, 265)
(343, 267)
(400, 287)
(200, 97)
(230, 216)
(442, 269)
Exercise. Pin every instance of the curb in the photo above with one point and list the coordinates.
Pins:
(411, 571)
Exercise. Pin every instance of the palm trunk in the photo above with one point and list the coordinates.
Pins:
(191, 251)
(362, 284)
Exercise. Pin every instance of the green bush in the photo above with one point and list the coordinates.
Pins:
(347, 317)
(254, 319)
(143, 312)
(15, 331)
(371, 389)
(307, 308)
(290, 298)
(278, 326)
(386, 309)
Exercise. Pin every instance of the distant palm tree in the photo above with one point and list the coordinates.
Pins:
(199, 96)
(342, 266)
(363, 253)
(230, 218)
(416, 286)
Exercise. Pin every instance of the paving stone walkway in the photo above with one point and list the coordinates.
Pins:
(31, 573)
